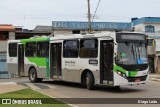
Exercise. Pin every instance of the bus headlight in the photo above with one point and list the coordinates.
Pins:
(118, 72)
(121, 74)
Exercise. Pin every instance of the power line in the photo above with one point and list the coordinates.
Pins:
(96, 10)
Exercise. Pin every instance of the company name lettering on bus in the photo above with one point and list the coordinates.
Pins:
(11, 60)
(132, 37)
(70, 63)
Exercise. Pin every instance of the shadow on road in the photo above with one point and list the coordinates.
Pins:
(97, 88)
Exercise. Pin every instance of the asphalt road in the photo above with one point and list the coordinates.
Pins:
(72, 90)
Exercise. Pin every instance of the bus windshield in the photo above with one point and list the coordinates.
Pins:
(131, 53)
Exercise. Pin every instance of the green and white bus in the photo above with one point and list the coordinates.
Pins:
(110, 58)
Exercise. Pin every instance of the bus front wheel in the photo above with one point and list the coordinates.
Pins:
(33, 75)
(90, 81)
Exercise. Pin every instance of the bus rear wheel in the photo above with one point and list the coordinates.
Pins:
(90, 81)
(33, 75)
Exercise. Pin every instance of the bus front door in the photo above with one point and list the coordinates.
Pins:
(21, 60)
(56, 67)
(106, 62)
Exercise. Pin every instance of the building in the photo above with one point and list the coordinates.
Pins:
(10, 32)
(151, 27)
(6, 32)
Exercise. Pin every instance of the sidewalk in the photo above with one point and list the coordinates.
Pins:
(6, 87)
(154, 77)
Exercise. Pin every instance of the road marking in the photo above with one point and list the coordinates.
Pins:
(8, 83)
(32, 86)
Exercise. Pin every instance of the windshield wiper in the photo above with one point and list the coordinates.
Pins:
(138, 46)
(133, 53)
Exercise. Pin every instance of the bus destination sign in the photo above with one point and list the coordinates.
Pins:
(130, 37)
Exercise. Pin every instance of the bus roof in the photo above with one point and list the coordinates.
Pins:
(110, 34)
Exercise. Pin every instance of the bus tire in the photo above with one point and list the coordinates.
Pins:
(33, 75)
(40, 79)
(117, 87)
(90, 81)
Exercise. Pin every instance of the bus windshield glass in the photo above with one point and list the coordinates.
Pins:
(131, 53)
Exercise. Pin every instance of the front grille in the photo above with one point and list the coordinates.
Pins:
(133, 79)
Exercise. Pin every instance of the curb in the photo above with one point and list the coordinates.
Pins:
(154, 79)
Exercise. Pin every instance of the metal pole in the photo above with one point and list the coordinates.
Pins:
(89, 17)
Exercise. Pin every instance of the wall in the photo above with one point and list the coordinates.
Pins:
(3, 46)
(62, 32)
(12, 35)
(141, 28)
(3, 66)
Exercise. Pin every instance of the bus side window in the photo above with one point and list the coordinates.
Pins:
(43, 49)
(31, 49)
(70, 48)
(89, 48)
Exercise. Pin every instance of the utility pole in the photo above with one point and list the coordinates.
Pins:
(89, 17)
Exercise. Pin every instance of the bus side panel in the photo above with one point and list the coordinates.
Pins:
(43, 73)
(27, 68)
(12, 62)
(70, 70)
(28, 64)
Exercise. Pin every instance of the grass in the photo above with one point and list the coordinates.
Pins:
(29, 93)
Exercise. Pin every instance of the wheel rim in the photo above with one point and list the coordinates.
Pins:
(33, 75)
(87, 81)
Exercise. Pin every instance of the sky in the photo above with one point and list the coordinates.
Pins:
(29, 13)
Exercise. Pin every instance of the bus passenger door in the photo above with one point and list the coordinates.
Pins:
(106, 61)
(21, 60)
(55, 63)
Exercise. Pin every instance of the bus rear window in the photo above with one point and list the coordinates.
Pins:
(13, 50)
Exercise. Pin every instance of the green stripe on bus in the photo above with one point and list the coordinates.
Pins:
(132, 73)
(34, 40)
(118, 68)
(41, 62)
(38, 61)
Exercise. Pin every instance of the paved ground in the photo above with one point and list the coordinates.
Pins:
(155, 77)
(72, 90)
(9, 87)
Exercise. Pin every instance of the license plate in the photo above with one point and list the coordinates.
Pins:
(137, 80)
